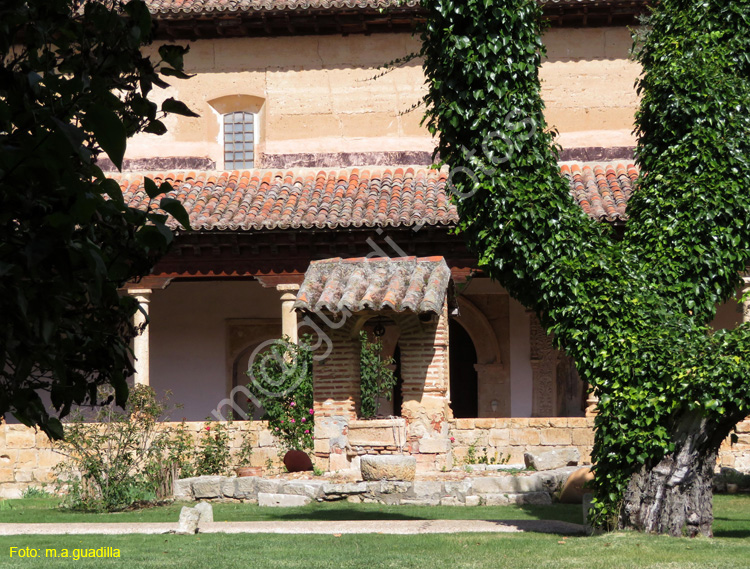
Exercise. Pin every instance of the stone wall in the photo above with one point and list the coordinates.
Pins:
(510, 438)
(737, 455)
(28, 459)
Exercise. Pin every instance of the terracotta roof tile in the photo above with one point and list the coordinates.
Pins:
(351, 198)
(170, 9)
(274, 199)
(418, 284)
(174, 9)
(602, 190)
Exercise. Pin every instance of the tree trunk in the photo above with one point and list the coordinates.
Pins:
(675, 496)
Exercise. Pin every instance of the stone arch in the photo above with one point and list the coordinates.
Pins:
(480, 331)
(243, 337)
(493, 387)
(391, 349)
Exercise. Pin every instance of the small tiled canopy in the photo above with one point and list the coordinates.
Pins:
(417, 284)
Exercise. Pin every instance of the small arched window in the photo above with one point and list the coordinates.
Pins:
(239, 140)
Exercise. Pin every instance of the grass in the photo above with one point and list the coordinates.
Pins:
(456, 551)
(730, 549)
(45, 510)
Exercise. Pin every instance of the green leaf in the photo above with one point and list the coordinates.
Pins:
(108, 131)
(152, 190)
(177, 210)
(177, 107)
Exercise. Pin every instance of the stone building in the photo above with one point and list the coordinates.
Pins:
(308, 167)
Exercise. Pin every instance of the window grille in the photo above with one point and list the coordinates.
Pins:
(239, 140)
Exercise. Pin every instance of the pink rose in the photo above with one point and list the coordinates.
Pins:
(307, 432)
(312, 412)
(292, 421)
(453, 440)
(303, 420)
(292, 404)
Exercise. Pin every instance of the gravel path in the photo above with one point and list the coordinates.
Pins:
(306, 527)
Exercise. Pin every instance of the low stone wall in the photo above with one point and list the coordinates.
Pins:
(508, 439)
(737, 455)
(497, 489)
(28, 459)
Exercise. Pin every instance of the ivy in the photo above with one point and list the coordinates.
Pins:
(377, 379)
(634, 313)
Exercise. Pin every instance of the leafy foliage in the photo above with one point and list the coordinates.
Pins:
(213, 456)
(282, 382)
(73, 85)
(117, 457)
(633, 313)
(376, 377)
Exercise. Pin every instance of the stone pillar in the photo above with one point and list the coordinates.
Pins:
(592, 401)
(544, 359)
(141, 342)
(288, 314)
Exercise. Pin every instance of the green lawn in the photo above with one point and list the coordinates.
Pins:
(458, 551)
(730, 549)
(45, 510)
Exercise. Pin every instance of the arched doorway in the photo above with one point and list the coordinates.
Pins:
(463, 375)
(387, 334)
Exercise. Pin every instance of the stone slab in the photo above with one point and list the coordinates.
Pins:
(269, 500)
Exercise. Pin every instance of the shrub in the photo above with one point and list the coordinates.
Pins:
(282, 382)
(118, 459)
(213, 456)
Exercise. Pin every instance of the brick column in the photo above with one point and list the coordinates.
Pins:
(141, 342)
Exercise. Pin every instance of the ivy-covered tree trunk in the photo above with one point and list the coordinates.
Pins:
(634, 313)
(675, 496)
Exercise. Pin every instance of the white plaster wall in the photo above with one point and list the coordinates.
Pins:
(521, 381)
(188, 338)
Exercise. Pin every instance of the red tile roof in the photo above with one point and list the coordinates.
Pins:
(602, 190)
(418, 284)
(172, 9)
(352, 198)
(167, 9)
(306, 199)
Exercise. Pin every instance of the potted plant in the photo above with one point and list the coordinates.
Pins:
(282, 382)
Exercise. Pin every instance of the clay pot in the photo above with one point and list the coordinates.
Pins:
(244, 471)
(575, 487)
(297, 461)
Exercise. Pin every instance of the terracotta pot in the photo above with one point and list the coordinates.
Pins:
(244, 471)
(297, 461)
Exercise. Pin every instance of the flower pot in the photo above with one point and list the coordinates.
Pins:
(297, 461)
(244, 471)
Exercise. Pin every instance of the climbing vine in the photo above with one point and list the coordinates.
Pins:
(633, 312)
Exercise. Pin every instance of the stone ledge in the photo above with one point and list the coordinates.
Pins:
(498, 489)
